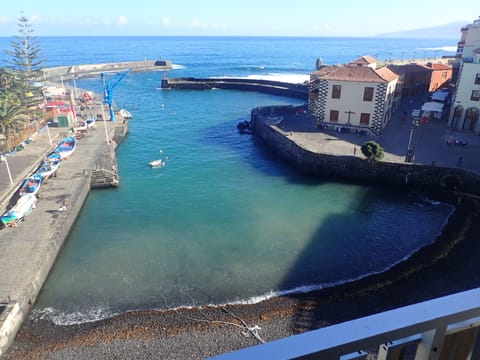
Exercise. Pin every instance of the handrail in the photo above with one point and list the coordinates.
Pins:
(427, 323)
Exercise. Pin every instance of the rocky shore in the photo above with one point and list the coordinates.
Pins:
(448, 266)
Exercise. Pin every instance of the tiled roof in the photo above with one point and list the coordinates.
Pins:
(413, 67)
(364, 60)
(355, 73)
(438, 66)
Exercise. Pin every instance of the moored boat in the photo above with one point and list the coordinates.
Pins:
(50, 165)
(66, 147)
(125, 113)
(17, 213)
(31, 185)
(156, 163)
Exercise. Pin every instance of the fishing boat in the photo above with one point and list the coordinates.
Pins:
(125, 113)
(156, 163)
(17, 213)
(91, 123)
(31, 185)
(49, 166)
(66, 147)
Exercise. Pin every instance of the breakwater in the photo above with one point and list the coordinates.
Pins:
(355, 169)
(299, 91)
(90, 70)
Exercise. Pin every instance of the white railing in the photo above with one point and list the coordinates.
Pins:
(445, 327)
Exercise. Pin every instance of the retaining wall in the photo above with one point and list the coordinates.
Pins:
(358, 170)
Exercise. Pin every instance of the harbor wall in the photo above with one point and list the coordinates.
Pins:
(90, 70)
(359, 170)
(299, 91)
(51, 236)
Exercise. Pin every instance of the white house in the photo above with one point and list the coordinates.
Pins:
(465, 108)
(355, 95)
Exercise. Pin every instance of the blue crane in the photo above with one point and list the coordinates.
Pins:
(108, 86)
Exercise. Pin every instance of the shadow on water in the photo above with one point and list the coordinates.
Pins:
(448, 265)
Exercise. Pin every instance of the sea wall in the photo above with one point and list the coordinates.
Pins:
(359, 170)
(266, 86)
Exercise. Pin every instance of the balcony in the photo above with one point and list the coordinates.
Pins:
(443, 328)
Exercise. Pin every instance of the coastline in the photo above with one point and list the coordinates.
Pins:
(449, 265)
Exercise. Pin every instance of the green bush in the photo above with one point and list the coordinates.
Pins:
(372, 151)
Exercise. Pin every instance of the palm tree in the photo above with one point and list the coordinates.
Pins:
(12, 116)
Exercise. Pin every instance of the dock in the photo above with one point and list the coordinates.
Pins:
(29, 251)
(92, 70)
(299, 91)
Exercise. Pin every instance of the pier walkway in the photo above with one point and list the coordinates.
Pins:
(28, 252)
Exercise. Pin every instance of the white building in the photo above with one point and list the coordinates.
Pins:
(465, 109)
(356, 95)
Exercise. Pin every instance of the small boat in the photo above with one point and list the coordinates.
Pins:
(50, 165)
(125, 114)
(31, 185)
(157, 163)
(81, 126)
(17, 213)
(91, 123)
(66, 147)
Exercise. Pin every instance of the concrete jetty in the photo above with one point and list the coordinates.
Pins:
(91, 70)
(266, 86)
(28, 252)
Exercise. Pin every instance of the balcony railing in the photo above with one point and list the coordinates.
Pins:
(443, 328)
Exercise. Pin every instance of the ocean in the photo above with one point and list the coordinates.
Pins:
(225, 220)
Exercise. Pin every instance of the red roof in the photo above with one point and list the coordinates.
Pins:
(355, 73)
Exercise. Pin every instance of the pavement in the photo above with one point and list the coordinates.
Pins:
(429, 140)
(28, 251)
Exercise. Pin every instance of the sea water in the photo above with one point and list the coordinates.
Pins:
(225, 220)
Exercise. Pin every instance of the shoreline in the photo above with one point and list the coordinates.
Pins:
(447, 266)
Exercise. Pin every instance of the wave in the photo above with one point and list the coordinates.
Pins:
(178, 67)
(441, 48)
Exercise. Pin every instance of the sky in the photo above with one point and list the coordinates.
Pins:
(231, 17)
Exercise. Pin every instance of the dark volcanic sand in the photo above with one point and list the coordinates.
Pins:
(451, 265)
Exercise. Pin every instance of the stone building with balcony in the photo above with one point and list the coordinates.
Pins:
(355, 96)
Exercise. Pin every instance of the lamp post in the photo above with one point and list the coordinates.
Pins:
(411, 151)
(4, 159)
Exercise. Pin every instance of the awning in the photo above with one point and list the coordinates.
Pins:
(440, 96)
(432, 106)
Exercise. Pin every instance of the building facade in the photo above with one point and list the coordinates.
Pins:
(354, 96)
(465, 110)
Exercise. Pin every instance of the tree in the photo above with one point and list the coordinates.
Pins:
(24, 68)
(372, 151)
(12, 116)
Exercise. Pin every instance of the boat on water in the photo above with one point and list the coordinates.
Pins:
(125, 113)
(66, 147)
(157, 163)
(50, 165)
(31, 185)
(17, 213)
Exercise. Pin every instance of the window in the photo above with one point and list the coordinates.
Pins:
(334, 115)
(368, 94)
(336, 91)
(477, 79)
(364, 119)
(444, 75)
(475, 95)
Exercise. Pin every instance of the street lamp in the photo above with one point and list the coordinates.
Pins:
(411, 151)
(4, 159)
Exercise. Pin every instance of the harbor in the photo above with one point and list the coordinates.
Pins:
(30, 249)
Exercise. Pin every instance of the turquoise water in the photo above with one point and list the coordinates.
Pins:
(225, 220)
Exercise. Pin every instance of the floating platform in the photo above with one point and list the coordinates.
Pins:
(92, 70)
(266, 86)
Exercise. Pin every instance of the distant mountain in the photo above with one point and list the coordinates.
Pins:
(447, 31)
